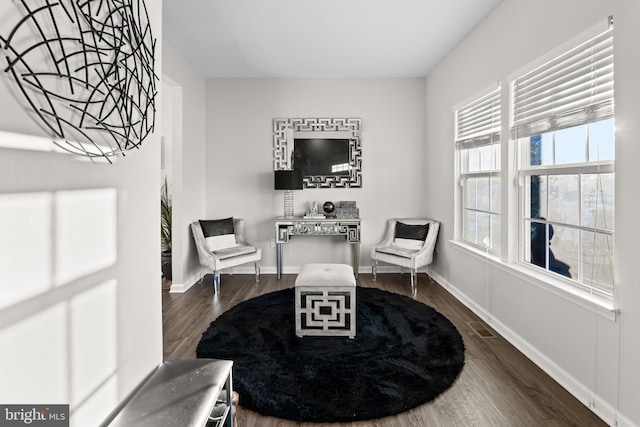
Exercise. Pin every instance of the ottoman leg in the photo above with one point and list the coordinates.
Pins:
(352, 305)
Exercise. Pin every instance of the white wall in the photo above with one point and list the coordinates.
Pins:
(594, 357)
(240, 157)
(170, 96)
(80, 306)
(188, 159)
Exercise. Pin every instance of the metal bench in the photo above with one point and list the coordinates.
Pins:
(181, 393)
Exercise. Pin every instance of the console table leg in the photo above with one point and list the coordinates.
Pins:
(279, 259)
(356, 259)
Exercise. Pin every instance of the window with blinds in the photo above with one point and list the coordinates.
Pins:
(575, 88)
(477, 139)
(563, 122)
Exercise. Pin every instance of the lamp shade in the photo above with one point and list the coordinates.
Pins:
(288, 180)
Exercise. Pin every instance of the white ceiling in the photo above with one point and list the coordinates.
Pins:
(319, 38)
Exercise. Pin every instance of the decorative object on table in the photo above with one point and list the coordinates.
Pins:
(87, 72)
(221, 244)
(347, 209)
(313, 212)
(310, 215)
(314, 143)
(401, 345)
(288, 180)
(329, 208)
(165, 230)
(408, 243)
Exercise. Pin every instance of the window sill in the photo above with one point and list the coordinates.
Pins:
(599, 305)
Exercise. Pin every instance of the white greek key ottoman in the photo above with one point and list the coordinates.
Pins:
(325, 300)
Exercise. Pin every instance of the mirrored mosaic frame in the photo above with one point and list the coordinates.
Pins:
(284, 131)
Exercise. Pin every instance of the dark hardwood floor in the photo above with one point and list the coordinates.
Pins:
(498, 386)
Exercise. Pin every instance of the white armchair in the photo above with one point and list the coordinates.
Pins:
(234, 251)
(405, 244)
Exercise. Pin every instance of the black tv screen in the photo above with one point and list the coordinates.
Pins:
(321, 156)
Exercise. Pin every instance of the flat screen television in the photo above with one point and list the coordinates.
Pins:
(322, 156)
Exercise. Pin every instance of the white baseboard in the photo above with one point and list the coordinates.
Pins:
(623, 421)
(179, 288)
(296, 269)
(587, 397)
(249, 269)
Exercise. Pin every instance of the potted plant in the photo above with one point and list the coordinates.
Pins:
(165, 229)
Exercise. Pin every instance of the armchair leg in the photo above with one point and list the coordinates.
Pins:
(216, 281)
(374, 268)
(413, 282)
(257, 264)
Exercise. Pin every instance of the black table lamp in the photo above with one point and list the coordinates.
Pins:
(288, 180)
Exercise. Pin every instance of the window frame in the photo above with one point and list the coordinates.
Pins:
(595, 100)
(489, 134)
(524, 233)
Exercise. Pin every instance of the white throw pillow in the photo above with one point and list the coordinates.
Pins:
(223, 241)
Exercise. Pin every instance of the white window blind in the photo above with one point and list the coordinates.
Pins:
(573, 89)
(478, 123)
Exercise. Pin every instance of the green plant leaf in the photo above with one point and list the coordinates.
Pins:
(165, 217)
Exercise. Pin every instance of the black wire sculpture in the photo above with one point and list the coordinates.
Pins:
(86, 70)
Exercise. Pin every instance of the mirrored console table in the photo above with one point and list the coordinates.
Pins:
(298, 226)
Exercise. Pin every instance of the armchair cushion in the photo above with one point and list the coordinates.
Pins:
(234, 251)
(219, 233)
(396, 250)
(409, 236)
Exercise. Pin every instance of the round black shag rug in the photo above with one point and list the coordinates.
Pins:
(404, 354)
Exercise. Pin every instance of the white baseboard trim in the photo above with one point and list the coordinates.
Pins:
(623, 421)
(180, 288)
(296, 269)
(587, 397)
